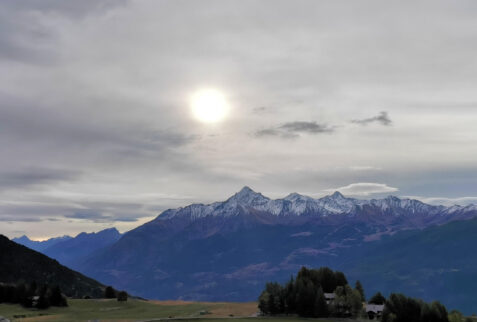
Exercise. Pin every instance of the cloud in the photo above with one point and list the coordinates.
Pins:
(14, 218)
(294, 129)
(34, 176)
(27, 28)
(364, 189)
(306, 127)
(364, 168)
(89, 215)
(98, 217)
(382, 118)
(259, 109)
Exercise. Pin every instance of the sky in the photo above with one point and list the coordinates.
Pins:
(370, 98)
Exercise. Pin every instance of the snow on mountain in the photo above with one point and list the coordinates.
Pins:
(395, 205)
(299, 205)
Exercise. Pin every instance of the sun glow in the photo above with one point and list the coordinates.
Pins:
(209, 106)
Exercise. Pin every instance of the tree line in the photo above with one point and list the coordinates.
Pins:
(32, 295)
(43, 296)
(111, 293)
(305, 295)
(400, 308)
(326, 293)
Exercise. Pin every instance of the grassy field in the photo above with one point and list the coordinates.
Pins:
(137, 310)
(132, 310)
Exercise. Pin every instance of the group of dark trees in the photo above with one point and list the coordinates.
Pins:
(400, 308)
(305, 295)
(111, 293)
(32, 295)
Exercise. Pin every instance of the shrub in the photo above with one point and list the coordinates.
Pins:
(122, 296)
(109, 293)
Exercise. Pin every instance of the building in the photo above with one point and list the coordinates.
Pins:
(330, 297)
(374, 310)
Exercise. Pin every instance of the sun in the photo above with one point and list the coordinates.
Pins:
(209, 106)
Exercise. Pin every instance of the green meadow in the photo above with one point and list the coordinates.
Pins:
(138, 310)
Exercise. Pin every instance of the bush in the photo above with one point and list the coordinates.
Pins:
(109, 293)
(122, 296)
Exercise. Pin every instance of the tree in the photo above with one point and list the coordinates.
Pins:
(43, 301)
(272, 299)
(305, 297)
(377, 298)
(109, 293)
(56, 298)
(9, 294)
(340, 279)
(122, 296)
(263, 300)
(400, 308)
(321, 308)
(30, 293)
(20, 294)
(2, 293)
(455, 316)
(290, 297)
(434, 312)
(347, 302)
(360, 289)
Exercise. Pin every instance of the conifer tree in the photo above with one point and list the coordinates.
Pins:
(360, 289)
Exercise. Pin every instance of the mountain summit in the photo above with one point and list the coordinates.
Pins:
(295, 204)
(227, 250)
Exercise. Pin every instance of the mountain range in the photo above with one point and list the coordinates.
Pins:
(71, 251)
(39, 246)
(226, 251)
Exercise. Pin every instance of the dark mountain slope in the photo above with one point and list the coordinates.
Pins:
(227, 250)
(231, 263)
(21, 264)
(438, 263)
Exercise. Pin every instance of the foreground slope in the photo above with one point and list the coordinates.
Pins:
(21, 264)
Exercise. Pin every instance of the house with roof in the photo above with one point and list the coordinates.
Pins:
(374, 310)
(329, 297)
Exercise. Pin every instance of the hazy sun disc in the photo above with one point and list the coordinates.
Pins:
(209, 106)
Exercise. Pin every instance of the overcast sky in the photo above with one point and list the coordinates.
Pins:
(370, 98)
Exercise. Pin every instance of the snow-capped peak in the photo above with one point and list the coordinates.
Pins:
(337, 195)
(296, 196)
(247, 196)
(299, 205)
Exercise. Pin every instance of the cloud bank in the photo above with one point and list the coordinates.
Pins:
(364, 189)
